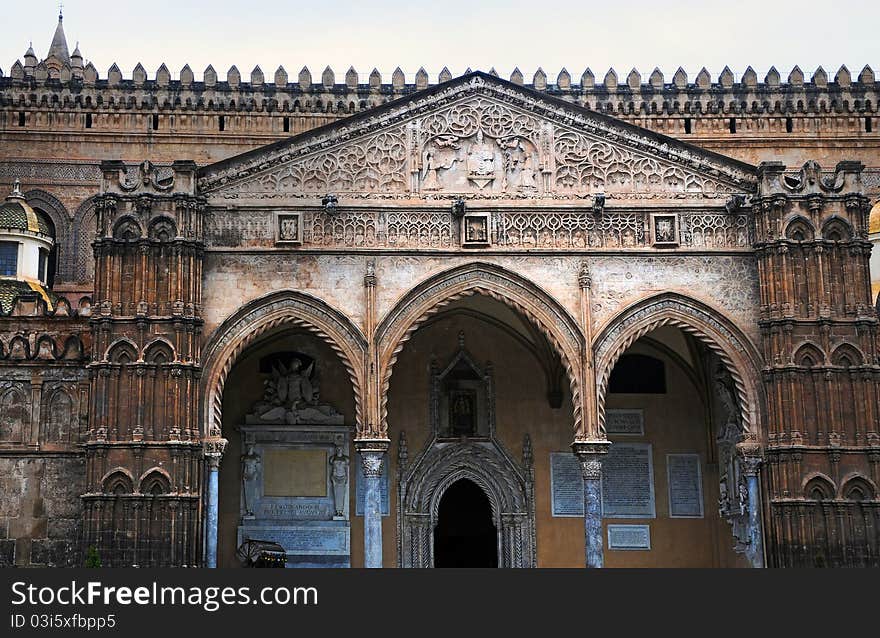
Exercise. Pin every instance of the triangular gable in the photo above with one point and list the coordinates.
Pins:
(478, 136)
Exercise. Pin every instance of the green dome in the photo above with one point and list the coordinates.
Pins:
(17, 215)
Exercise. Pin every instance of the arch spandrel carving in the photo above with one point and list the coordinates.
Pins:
(483, 137)
(694, 317)
(480, 278)
(255, 319)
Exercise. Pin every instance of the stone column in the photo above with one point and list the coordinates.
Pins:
(751, 464)
(213, 454)
(590, 454)
(373, 453)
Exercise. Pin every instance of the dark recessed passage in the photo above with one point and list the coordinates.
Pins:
(465, 535)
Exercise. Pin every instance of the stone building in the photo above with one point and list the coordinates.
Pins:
(587, 322)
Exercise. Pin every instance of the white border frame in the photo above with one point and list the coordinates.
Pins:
(618, 548)
(288, 213)
(639, 411)
(676, 230)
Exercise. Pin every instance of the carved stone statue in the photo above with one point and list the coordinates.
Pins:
(339, 479)
(291, 397)
(481, 161)
(250, 468)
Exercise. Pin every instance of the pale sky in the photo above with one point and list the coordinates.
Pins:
(456, 33)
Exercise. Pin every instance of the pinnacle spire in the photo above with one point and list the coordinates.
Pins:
(58, 48)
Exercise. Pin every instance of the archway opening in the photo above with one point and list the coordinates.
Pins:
(674, 491)
(288, 474)
(465, 535)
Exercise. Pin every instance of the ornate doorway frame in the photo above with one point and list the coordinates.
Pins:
(508, 485)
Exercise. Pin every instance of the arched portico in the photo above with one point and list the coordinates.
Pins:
(727, 385)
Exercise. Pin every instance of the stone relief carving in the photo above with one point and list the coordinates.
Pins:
(291, 397)
(730, 281)
(478, 139)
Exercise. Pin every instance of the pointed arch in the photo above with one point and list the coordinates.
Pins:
(847, 355)
(809, 355)
(800, 228)
(836, 228)
(480, 278)
(856, 487)
(123, 350)
(154, 481)
(254, 319)
(59, 420)
(159, 350)
(819, 487)
(118, 481)
(80, 257)
(698, 319)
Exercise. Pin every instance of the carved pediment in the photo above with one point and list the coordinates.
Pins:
(478, 136)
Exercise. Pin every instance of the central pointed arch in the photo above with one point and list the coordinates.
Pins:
(255, 319)
(492, 280)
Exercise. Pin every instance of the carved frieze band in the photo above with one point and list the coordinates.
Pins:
(437, 229)
(50, 171)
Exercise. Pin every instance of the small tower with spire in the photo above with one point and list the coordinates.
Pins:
(59, 55)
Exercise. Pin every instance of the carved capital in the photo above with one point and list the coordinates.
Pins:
(751, 456)
(372, 453)
(213, 449)
(590, 455)
(585, 279)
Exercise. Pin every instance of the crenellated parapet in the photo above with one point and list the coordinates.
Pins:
(82, 86)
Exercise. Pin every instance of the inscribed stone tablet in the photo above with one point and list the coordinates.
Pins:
(294, 472)
(628, 481)
(566, 485)
(685, 485)
(630, 422)
(360, 486)
(629, 537)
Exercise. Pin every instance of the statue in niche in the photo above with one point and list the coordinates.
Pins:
(339, 479)
(475, 230)
(291, 397)
(462, 417)
(481, 161)
(250, 468)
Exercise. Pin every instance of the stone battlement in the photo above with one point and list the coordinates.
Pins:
(79, 86)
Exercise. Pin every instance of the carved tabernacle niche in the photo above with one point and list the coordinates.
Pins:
(463, 445)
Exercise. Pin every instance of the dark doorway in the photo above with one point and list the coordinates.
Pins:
(465, 535)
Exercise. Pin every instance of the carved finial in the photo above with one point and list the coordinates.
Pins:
(493, 72)
(656, 79)
(421, 79)
(527, 454)
(328, 78)
(351, 79)
(516, 77)
(726, 78)
(370, 275)
(539, 81)
(610, 80)
(796, 77)
(820, 78)
(305, 78)
(461, 339)
(843, 77)
(398, 79)
(704, 80)
(680, 79)
(867, 75)
(375, 79)
(585, 279)
(280, 77)
(402, 452)
(16, 189)
(772, 77)
(634, 79)
(588, 80)
(563, 80)
(750, 78)
(445, 75)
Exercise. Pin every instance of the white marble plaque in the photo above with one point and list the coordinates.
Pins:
(629, 537)
(628, 422)
(566, 485)
(628, 481)
(685, 485)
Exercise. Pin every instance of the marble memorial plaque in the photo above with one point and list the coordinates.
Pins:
(685, 485)
(360, 487)
(628, 422)
(629, 537)
(628, 481)
(566, 485)
(290, 472)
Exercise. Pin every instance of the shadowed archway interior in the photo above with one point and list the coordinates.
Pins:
(465, 535)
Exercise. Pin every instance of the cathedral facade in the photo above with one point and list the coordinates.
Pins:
(475, 322)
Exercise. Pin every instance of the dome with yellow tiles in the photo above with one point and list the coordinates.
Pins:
(874, 219)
